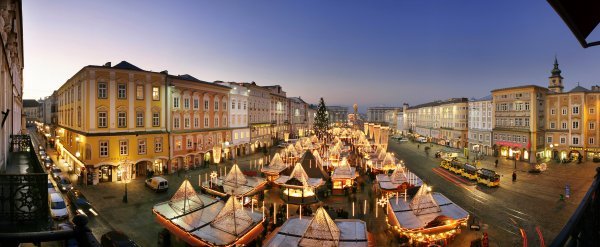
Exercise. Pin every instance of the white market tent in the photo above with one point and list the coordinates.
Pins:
(320, 230)
(235, 183)
(276, 165)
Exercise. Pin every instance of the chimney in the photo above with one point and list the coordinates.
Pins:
(107, 64)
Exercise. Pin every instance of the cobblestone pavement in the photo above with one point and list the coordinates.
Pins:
(531, 201)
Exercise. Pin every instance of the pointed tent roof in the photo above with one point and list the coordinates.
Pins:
(389, 160)
(312, 167)
(235, 176)
(317, 157)
(399, 174)
(299, 174)
(298, 147)
(321, 231)
(185, 199)
(292, 150)
(232, 218)
(423, 202)
(344, 168)
(276, 161)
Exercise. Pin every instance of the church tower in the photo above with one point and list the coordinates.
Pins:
(555, 83)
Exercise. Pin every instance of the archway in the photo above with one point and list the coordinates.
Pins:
(143, 169)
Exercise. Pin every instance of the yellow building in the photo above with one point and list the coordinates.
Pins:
(199, 128)
(571, 121)
(112, 123)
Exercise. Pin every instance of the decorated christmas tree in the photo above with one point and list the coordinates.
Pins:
(322, 119)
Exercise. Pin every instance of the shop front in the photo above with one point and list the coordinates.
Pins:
(592, 153)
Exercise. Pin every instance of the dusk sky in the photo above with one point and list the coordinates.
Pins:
(365, 52)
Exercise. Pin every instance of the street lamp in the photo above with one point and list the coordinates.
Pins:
(124, 175)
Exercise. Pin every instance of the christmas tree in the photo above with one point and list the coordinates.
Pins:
(322, 119)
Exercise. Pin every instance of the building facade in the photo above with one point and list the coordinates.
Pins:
(337, 114)
(238, 119)
(519, 122)
(298, 117)
(480, 126)
(279, 112)
(259, 116)
(12, 120)
(441, 122)
(199, 127)
(31, 108)
(112, 124)
(387, 115)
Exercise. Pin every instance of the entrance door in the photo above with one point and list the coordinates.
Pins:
(105, 174)
(142, 169)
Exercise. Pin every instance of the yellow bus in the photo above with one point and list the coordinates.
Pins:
(488, 177)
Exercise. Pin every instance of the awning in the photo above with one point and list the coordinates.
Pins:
(581, 17)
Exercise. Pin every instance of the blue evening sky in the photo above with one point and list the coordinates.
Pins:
(365, 52)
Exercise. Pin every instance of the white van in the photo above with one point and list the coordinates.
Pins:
(422, 139)
(58, 207)
(157, 184)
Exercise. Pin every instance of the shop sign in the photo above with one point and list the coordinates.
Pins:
(592, 149)
(576, 148)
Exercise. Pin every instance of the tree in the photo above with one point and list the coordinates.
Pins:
(322, 119)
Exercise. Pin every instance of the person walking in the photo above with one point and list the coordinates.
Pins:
(496, 163)
(514, 176)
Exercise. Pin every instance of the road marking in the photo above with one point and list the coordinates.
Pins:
(450, 177)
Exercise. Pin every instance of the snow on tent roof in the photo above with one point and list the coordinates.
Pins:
(423, 202)
(185, 199)
(398, 174)
(321, 231)
(388, 160)
(344, 168)
(318, 157)
(232, 219)
(235, 176)
(276, 161)
(299, 174)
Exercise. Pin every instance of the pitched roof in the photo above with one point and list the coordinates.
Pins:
(321, 230)
(187, 77)
(185, 199)
(232, 218)
(423, 202)
(579, 89)
(30, 103)
(235, 176)
(312, 167)
(299, 174)
(127, 65)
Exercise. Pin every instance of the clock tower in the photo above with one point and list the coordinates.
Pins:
(555, 80)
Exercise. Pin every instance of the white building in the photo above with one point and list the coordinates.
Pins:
(480, 125)
(443, 122)
(238, 118)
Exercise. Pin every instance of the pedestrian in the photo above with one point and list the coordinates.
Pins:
(418, 146)
(178, 172)
(496, 162)
(514, 176)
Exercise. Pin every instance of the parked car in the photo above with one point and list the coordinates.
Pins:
(56, 172)
(49, 163)
(80, 203)
(157, 184)
(116, 239)
(402, 140)
(64, 184)
(51, 188)
(42, 154)
(71, 242)
(58, 207)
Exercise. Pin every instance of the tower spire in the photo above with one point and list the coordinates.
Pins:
(555, 83)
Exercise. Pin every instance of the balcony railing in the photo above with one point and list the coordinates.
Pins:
(583, 228)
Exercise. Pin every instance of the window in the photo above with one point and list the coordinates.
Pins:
(575, 109)
(591, 110)
(103, 148)
(175, 102)
(189, 143)
(216, 122)
(224, 105)
(176, 122)
(549, 139)
(155, 119)
(155, 93)
(123, 147)
(575, 140)
(142, 146)
(224, 122)
(564, 125)
(564, 111)
(527, 122)
(121, 91)
(102, 90)
(186, 103)
(592, 125)
(178, 144)
(79, 116)
(186, 122)
(102, 119)
(232, 104)
(139, 92)
(552, 111)
(196, 104)
(244, 105)
(563, 140)
(206, 105)
(206, 122)
(158, 144)
(196, 122)
(552, 125)
(575, 124)
(239, 105)
(591, 140)
(527, 106)
(139, 119)
(216, 105)
(122, 119)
